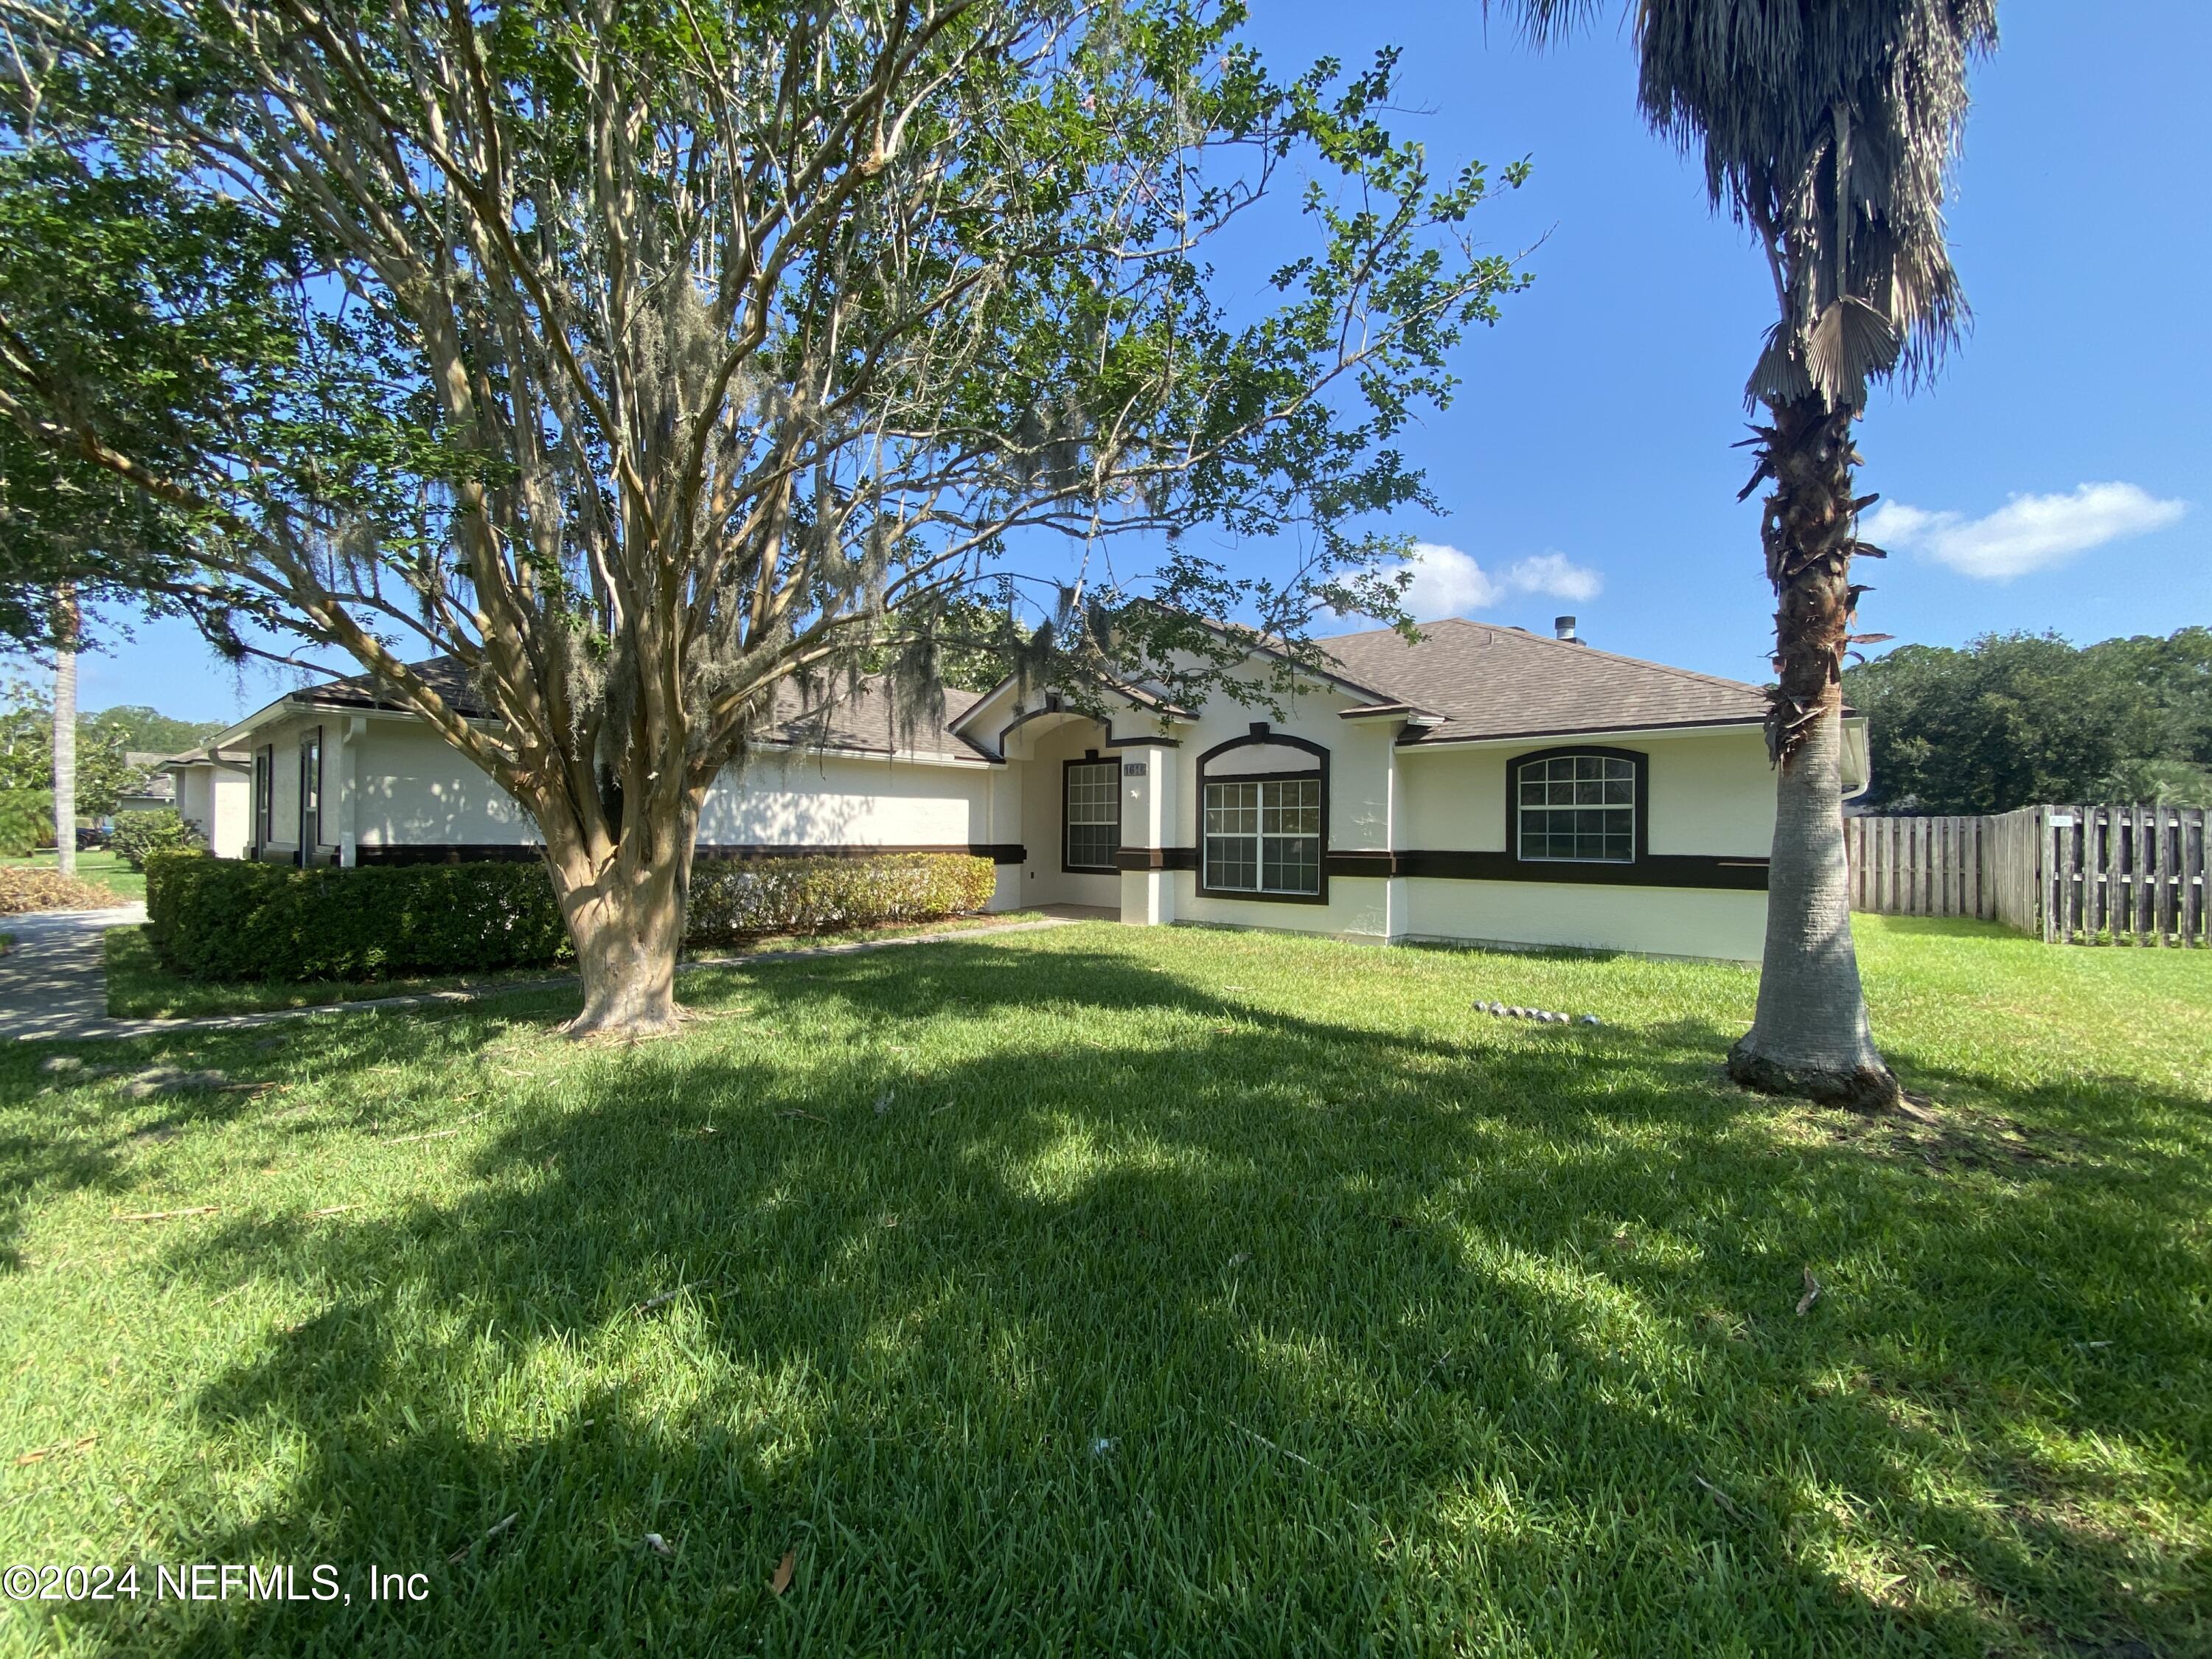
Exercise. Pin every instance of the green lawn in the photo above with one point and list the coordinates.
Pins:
(140, 987)
(101, 869)
(1148, 1292)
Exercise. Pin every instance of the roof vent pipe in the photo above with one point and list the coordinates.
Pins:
(1564, 628)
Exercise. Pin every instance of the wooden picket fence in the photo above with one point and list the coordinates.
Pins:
(2072, 875)
(1920, 867)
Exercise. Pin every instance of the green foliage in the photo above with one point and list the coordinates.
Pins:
(735, 899)
(887, 299)
(27, 752)
(2014, 720)
(27, 820)
(139, 308)
(140, 835)
(150, 732)
(235, 919)
(965, 641)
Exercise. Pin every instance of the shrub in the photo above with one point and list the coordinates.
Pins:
(139, 835)
(27, 821)
(22, 889)
(232, 918)
(741, 899)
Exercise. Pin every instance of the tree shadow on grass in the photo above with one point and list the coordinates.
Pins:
(1127, 1316)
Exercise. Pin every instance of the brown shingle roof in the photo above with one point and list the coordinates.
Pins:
(1487, 682)
(444, 675)
(867, 721)
(864, 721)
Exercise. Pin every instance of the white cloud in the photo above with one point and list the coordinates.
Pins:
(1446, 583)
(1450, 583)
(1552, 575)
(2029, 532)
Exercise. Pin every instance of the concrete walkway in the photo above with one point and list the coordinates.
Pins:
(53, 987)
(51, 980)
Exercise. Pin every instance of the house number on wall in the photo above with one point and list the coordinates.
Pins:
(1133, 768)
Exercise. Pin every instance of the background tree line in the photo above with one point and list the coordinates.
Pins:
(2013, 720)
(105, 740)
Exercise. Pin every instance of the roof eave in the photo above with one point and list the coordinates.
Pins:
(1647, 728)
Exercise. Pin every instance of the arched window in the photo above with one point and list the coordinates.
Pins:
(1263, 818)
(1576, 806)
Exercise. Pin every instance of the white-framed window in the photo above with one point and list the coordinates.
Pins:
(1577, 809)
(1093, 815)
(1263, 835)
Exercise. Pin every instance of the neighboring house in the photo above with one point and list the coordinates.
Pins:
(1484, 784)
(157, 788)
(214, 793)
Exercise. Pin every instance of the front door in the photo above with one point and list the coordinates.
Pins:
(311, 794)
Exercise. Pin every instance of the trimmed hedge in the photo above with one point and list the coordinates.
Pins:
(737, 899)
(232, 918)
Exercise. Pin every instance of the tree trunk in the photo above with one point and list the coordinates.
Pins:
(1810, 1036)
(65, 628)
(625, 911)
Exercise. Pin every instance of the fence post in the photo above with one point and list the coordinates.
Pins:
(2161, 907)
(2193, 878)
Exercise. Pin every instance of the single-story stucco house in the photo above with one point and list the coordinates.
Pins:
(1483, 784)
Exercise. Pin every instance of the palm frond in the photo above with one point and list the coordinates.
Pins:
(1779, 376)
(1830, 126)
(1852, 344)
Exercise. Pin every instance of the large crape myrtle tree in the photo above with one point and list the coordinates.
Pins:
(649, 358)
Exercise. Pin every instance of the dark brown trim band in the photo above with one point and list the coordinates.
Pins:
(445, 853)
(999, 853)
(1353, 861)
(1139, 742)
(1746, 875)
(487, 853)
(1157, 858)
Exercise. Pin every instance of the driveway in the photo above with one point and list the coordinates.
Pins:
(51, 982)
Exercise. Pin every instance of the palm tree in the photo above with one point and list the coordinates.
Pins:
(65, 632)
(1829, 128)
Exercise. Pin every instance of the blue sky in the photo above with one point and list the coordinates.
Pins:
(2055, 478)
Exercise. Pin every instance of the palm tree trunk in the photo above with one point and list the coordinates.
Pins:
(1810, 1036)
(65, 629)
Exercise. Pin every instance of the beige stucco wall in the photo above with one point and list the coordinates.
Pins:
(411, 788)
(1358, 772)
(1710, 793)
(194, 797)
(1671, 922)
(1356, 908)
(779, 798)
(219, 802)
